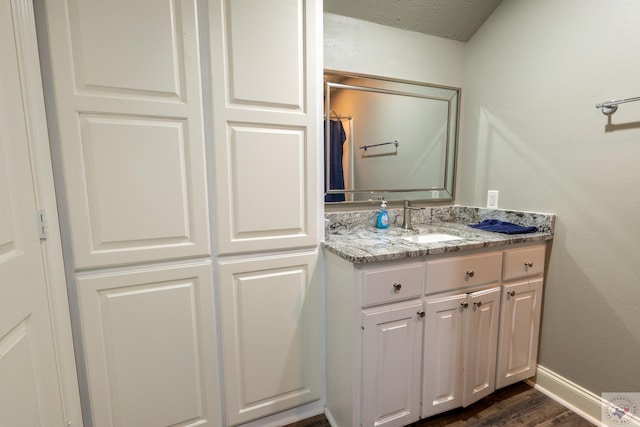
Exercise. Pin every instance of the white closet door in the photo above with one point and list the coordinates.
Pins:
(30, 379)
(270, 334)
(127, 84)
(149, 339)
(266, 84)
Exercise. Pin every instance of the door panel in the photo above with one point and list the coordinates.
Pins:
(519, 332)
(19, 400)
(254, 216)
(251, 46)
(481, 339)
(270, 335)
(391, 365)
(265, 71)
(146, 198)
(148, 339)
(443, 355)
(29, 388)
(109, 32)
(129, 104)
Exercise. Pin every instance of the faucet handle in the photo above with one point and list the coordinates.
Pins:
(407, 205)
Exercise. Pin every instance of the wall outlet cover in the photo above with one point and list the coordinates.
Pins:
(492, 199)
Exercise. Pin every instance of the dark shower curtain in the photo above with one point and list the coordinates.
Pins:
(336, 173)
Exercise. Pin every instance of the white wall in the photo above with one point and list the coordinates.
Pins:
(367, 48)
(530, 129)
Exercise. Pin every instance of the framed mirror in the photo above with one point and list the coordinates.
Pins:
(388, 138)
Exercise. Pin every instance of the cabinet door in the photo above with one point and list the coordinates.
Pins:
(128, 99)
(149, 339)
(519, 331)
(481, 341)
(266, 84)
(443, 354)
(270, 334)
(391, 365)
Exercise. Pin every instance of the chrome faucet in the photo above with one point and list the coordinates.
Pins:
(406, 221)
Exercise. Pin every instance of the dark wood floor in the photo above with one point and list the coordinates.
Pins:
(518, 404)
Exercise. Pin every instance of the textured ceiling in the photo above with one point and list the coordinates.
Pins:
(450, 19)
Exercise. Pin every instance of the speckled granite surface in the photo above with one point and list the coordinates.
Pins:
(353, 236)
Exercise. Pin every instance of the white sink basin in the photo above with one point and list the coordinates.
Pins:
(431, 238)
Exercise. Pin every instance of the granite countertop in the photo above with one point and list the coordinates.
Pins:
(352, 237)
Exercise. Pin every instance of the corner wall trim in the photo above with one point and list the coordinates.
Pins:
(569, 394)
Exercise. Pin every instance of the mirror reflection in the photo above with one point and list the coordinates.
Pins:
(388, 138)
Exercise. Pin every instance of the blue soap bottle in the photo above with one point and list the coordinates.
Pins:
(383, 216)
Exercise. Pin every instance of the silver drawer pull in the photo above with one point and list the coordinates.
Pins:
(397, 287)
(421, 314)
(528, 264)
(470, 273)
(477, 303)
(464, 304)
(511, 293)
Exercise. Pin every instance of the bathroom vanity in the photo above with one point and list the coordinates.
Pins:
(418, 327)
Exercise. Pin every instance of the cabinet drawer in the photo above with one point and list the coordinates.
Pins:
(392, 284)
(462, 271)
(523, 262)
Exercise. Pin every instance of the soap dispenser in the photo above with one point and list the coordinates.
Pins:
(383, 216)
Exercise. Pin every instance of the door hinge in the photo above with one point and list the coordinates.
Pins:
(43, 227)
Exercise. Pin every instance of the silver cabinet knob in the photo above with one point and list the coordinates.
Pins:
(397, 287)
(511, 293)
(470, 273)
(421, 314)
(464, 304)
(528, 264)
(477, 303)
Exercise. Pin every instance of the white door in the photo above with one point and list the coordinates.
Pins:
(391, 357)
(443, 354)
(149, 339)
(481, 344)
(519, 332)
(128, 98)
(271, 343)
(29, 389)
(266, 65)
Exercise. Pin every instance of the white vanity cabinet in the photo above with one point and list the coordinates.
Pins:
(388, 361)
(374, 334)
(523, 271)
(460, 331)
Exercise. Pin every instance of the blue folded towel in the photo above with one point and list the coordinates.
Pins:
(498, 226)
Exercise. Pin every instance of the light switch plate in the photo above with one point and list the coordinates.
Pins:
(492, 199)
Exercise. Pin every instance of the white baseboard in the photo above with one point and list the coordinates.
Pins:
(569, 394)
